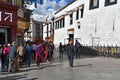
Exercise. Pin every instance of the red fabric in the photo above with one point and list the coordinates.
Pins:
(46, 55)
(36, 56)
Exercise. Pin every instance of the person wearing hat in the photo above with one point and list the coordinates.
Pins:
(70, 53)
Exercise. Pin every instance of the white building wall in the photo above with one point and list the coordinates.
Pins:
(44, 31)
(96, 23)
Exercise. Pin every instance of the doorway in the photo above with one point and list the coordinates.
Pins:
(3, 36)
(71, 37)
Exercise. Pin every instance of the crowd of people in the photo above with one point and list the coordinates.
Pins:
(12, 57)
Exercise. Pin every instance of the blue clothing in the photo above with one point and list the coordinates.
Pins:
(13, 51)
(38, 49)
(70, 54)
(77, 47)
(28, 51)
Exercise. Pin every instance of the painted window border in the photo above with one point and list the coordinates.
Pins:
(107, 3)
(93, 7)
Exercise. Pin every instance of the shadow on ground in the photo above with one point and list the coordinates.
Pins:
(16, 77)
(85, 65)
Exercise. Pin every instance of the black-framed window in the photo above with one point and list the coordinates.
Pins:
(82, 11)
(71, 19)
(77, 14)
(60, 23)
(93, 4)
(63, 22)
(110, 2)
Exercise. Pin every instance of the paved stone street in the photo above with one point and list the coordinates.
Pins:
(86, 68)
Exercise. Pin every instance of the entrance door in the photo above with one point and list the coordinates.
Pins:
(3, 36)
(71, 37)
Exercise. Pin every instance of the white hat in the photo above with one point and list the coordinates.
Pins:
(8, 44)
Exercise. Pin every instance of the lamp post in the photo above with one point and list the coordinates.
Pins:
(78, 24)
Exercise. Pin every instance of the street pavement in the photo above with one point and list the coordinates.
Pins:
(86, 68)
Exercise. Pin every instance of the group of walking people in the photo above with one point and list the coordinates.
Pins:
(71, 50)
(13, 57)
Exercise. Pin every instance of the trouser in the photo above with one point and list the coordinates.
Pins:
(2, 60)
(33, 54)
(6, 61)
(77, 53)
(13, 64)
(20, 61)
(0, 64)
(61, 55)
(27, 60)
(49, 56)
(37, 58)
(71, 60)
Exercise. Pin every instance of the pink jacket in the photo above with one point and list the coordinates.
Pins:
(6, 50)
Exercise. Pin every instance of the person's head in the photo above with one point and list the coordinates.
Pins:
(70, 42)
(13, 43)
(60, 43)
(8, 44)
(76, 40)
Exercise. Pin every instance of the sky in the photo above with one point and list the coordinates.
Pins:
(47, 8)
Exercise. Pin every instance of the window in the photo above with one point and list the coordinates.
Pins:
(55, 25)
(71, 19)
(94, 4)
(77, 14)
(63, 22)
(110, 2)
(82, 11)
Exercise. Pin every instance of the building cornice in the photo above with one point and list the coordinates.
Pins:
(5, 5)
(65, 6)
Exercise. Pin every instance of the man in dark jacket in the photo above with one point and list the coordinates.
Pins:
(70, 53)
(13, 57)
(77, 48)
(61, 51)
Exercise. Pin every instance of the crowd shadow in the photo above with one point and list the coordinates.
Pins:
(42, 66)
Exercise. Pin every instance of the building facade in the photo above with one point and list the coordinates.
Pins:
(8, 22)
(92, 22)
(15, 21)
(48, 31)
(35, 32)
